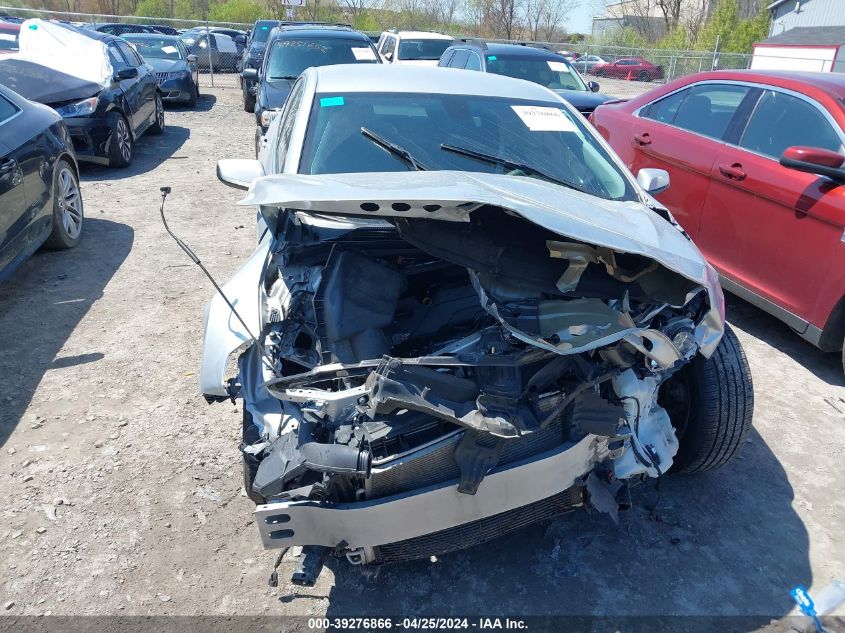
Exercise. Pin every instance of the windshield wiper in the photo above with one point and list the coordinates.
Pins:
(509, 164)
(397, 150)
(288, 77)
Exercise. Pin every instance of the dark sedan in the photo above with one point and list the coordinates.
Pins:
(290, 51)
(176, 69)
(104, 122)
(119, 28)
(531, 63)
(40, 199)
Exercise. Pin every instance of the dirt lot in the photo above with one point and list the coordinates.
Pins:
(121, 488)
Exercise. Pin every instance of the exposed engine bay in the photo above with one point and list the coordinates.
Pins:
(423, 352)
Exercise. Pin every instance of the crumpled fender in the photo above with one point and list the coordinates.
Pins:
(223, 334)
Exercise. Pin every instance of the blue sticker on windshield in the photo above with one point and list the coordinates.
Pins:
(264, 28)
(491, 58)
(327, 102)
(33, 27)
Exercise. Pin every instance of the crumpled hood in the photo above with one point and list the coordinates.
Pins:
(629, 227)
(67, 50)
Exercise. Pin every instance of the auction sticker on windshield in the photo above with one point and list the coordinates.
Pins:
(559, 67)
(169, 49)
(543, 119)
(363, 54)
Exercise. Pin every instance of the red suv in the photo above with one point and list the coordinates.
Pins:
(629, 68)
(756, 164)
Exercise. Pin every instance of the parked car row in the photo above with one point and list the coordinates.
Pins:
(73, 94)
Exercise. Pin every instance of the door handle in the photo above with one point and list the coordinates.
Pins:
(9, 165)
(733, 172)
(642, 139)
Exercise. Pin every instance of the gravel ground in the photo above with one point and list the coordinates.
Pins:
(121, 488)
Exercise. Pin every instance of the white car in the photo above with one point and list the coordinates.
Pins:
(464, 315)
(412, 48)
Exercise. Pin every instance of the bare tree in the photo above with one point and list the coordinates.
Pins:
(504, 16)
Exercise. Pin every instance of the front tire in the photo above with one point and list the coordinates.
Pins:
(711, 404)
(598, 73)
(250, 462)
(249, 100)
(192, 100)
(158, 124)
(67, 207)
(643, 76)
(121, 146)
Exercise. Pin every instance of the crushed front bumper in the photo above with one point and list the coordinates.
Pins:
(91, 137)
(436, 509)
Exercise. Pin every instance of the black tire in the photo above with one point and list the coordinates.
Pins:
(643, 76)
(157, 126)
(250, 462)
(68, 213)
(598, 73)
(843, 356)
(121, 145)
(711, 403)
(195, 93)
(249, 101)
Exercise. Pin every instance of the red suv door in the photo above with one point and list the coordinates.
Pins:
(768, 228)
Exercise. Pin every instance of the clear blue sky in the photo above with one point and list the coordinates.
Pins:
(581, 18)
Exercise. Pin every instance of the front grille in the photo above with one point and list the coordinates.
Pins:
(436, 463)
(162, 77)
(481, 531)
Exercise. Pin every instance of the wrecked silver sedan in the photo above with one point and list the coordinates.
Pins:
(430, 359)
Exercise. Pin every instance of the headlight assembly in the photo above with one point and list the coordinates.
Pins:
(80, 108)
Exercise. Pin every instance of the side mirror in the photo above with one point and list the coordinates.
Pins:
(250, 73)
(815, 160)
(593, 86)
(388, 56)
(192, 59)
(240, 39)
(126, 73)
(238, 172)
(654, 181)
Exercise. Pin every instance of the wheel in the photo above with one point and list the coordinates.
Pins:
(250, 462)
(67, 207)
(192, 100)
(158, 125)
(121, 146)
(249, 100)
(710, 403)
(643, 76)
(598, 73)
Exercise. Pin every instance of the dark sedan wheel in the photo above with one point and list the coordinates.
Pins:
(195, 93)
(121, 147)
(158, 125)
(67, 207)
(710, 402)
(643, 76)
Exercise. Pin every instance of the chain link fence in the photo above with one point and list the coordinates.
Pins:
(218, 46)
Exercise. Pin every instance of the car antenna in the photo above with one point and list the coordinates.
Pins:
(165, 191)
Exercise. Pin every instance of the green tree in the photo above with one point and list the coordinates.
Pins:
(719, 27)
(675, 40)
(751, 30)
(626, 36)
(153, 8)
(245, 11)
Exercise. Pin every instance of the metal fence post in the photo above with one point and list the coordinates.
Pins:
(208, 48)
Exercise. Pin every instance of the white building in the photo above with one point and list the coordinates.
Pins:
(813, 48)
